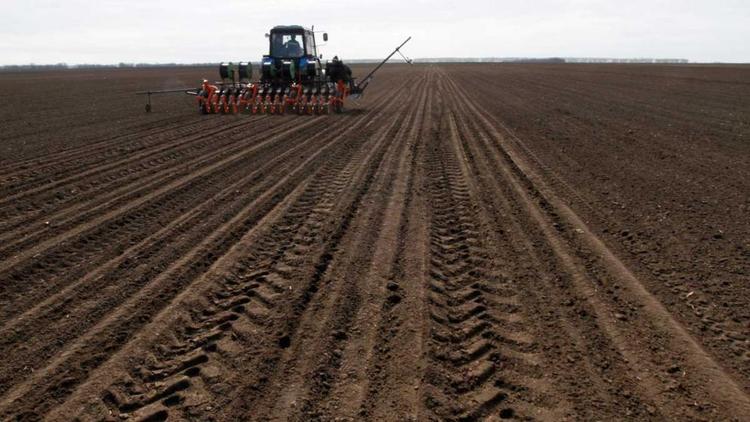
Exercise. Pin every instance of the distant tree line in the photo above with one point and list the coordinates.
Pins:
(547, 60)
(636, 60)
(490, 60)
(65, 66)
(20, 67)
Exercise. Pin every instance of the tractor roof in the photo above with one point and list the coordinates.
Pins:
(289, 28)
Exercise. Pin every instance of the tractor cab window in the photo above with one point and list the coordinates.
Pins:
(287, 45)
(310, 44)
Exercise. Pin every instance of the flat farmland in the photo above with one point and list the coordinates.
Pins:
(465, 242)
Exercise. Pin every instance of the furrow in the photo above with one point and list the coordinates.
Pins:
(94, 152)
(482, 357)
(86, 343)
(341, 317)
(138, 137)
(79, 174)
(610, 289)
(113, 231)
(55, 217)
(63, 312)
(296, 315)
(38, 209)
(390, 387)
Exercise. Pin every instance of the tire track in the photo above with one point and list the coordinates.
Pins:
(294, 315)
(720, 328)
(482, 352)
(313, 365)
(282, 252)
(70, 313)
(592, 273)
(86, 345)
(386, 391)
(114, 230)
(565, 328)
(563, 325)
(80, 301)
(80, 240)
(281, 151)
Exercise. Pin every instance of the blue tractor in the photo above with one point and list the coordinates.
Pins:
(292, 79)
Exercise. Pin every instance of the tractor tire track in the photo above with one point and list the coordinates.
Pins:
(372, 388)
(590, 272)
(280, 151)
(272, 370)
(312, 366)
(562, 322)
(563, 312)
(264, 280)
(63, 308)
(84, 304)
(87, 242)
(82, 240)
(483, 354)
(721, 330)
(83, 349)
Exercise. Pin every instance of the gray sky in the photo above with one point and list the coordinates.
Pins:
(184, 31)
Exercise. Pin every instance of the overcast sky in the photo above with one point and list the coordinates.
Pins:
(186, 31)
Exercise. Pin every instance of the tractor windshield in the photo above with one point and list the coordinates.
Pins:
(287, 45)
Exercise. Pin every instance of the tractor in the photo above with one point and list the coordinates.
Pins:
(292, 80)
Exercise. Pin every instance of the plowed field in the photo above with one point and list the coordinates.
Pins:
(467, 242)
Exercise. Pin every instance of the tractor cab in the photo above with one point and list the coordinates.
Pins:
(292, 56)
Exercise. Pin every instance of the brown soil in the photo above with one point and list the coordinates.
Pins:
(468, 242)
